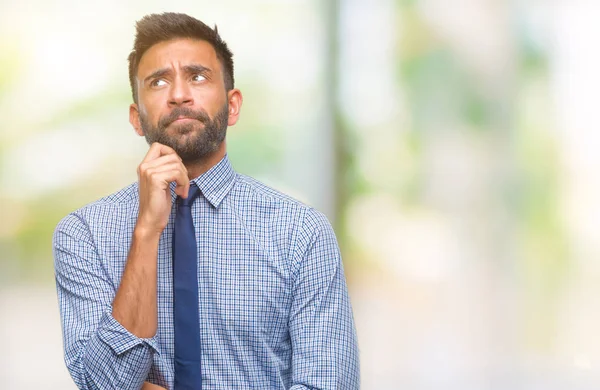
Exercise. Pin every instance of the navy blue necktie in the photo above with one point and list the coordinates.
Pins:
(185, 296)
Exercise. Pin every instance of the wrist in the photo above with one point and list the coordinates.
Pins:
(146, 233)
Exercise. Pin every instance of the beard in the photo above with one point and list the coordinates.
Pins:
(188, 139)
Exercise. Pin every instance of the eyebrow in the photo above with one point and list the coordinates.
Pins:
(189, 69)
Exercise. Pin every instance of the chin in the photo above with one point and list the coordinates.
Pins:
(185, 131)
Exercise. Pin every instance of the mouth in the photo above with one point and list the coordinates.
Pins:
(184, 119)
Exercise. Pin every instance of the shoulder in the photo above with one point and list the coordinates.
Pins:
(124, 196)
(120, 202)
(308, 221)
(253, 193)
(246, 185)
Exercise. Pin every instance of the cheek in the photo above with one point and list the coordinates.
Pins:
(142, 111)
(211, 100)
(149, 112)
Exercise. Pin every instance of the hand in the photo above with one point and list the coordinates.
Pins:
(150, 386)
(159, 168)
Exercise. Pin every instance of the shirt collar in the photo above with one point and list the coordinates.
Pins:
(216, 183)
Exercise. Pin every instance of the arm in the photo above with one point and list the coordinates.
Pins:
(324, 346)
(99, 352)
(135, 305)
(151, 386)
(108, 336)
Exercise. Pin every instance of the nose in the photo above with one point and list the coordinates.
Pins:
(180, 94)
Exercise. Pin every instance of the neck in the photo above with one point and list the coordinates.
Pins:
(197, 168)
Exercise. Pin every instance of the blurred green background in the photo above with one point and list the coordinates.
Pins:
(451, 144)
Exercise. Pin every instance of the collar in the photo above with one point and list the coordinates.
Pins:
(215, 183)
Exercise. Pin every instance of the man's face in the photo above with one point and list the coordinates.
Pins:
(182, 101)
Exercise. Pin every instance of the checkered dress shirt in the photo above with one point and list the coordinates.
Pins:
(274, 306)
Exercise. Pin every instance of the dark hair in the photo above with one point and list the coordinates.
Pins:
(156, 28)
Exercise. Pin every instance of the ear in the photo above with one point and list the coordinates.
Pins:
(235, 105)
(134, 119)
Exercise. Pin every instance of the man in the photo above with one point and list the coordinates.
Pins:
(197, 276)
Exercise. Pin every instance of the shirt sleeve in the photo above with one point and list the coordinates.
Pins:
(99, 352)
(322, 331)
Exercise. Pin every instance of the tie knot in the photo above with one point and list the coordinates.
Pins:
(192, 195)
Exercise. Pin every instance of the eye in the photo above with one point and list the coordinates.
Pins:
(198, 77)
(158, 83)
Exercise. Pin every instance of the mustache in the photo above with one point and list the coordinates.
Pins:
(200, 115)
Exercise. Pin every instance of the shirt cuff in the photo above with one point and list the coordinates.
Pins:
(120, 339)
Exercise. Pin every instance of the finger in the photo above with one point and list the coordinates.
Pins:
(156, 150)
(160, 161)
(183, 184)
(166, 168)
(177, 175)
(153, 152)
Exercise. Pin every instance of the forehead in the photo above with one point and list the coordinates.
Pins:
(176, 53)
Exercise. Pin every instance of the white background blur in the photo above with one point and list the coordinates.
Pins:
(453, 144)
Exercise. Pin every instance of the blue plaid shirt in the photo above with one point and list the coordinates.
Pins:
(274, 307)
